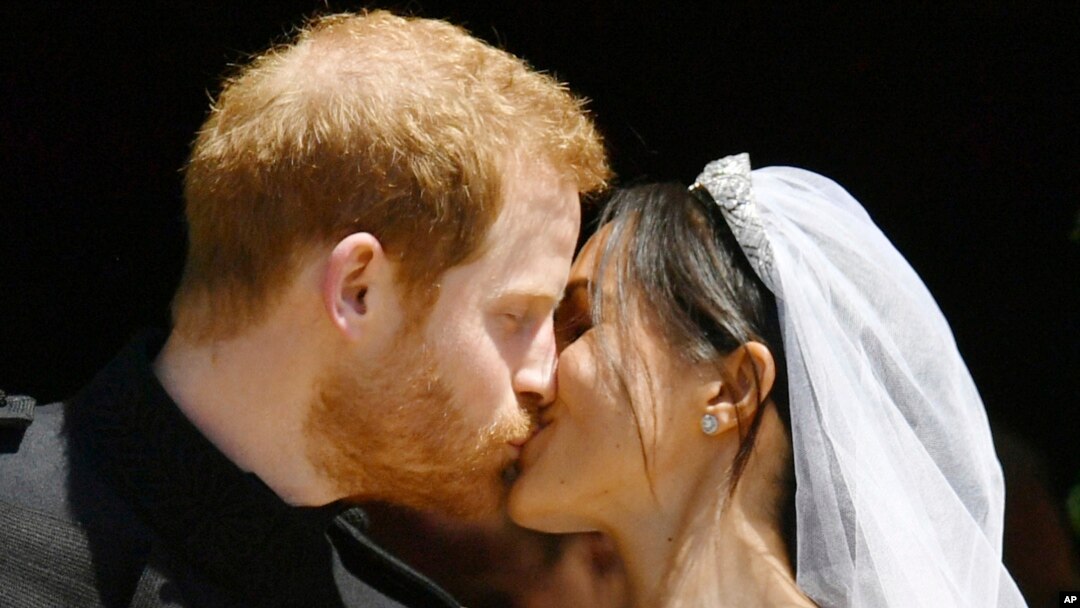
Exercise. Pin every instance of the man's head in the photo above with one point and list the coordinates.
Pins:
(433, 418)
(429, 183)
(398, 127)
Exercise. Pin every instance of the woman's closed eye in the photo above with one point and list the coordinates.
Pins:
(573, 317)
(571, 322)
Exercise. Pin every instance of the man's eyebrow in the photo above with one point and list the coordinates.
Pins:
(556, 298)
(529, 293)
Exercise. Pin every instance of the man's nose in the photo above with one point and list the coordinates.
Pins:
(534, 381)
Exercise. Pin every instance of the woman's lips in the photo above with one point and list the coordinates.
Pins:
(534, 445)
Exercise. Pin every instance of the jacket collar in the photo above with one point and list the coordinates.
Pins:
(225, 522)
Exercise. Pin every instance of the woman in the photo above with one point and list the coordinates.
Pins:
(762, 405)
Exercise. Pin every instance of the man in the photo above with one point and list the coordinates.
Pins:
(382, 216)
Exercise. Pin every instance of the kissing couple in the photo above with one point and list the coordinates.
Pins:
(741, 382)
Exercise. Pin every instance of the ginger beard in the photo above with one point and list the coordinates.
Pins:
(392, 430)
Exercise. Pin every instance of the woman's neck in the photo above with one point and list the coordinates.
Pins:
(647, 547)
(708, 549)
(750, 564)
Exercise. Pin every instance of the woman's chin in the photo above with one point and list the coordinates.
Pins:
(530, 506)
(521, 504)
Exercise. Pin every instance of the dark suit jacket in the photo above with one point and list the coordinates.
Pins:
(114, 499)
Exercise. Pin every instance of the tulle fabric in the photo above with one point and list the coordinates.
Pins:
(899, 493)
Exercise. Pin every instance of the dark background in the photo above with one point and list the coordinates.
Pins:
(957, 129)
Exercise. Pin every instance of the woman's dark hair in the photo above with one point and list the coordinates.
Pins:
(673, 255)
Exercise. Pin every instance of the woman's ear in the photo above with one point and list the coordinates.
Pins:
(357, 278)
(746, 375)
(715, 410)
(752, 371)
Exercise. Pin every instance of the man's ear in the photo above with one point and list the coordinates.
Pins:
(359, 278)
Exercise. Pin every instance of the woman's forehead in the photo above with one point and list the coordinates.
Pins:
(600, 255)
(583, 278)
(584, 267)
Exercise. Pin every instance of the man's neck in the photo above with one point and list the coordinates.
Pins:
(249, 395)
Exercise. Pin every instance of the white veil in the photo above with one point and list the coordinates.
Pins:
(899, 494)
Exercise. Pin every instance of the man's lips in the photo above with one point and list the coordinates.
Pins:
(517, 443)
(533, 432)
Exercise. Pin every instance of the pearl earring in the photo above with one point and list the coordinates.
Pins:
(709, 424)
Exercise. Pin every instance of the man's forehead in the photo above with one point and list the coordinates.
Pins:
(540, 216)
(529, 248)
(530, 266)
(529, 175)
